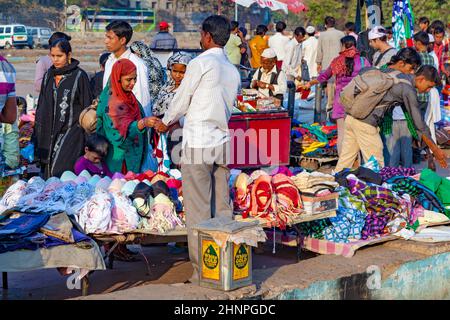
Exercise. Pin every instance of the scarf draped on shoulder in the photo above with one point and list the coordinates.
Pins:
(338, 66)
(123, 106)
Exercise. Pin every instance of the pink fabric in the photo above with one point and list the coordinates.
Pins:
(282, 170)
(118, 175)
(173, 183)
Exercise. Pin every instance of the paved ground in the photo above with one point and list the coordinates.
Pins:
(165, 269)
(269, 282)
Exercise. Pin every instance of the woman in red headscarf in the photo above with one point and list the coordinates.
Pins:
(120, 118)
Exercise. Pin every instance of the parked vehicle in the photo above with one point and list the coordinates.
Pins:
(30, 40)
(13, 35)
(38, 37)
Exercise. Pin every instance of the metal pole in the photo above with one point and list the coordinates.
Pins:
(65, 15)
(291, 98)
(235, 12)
(5, 280)
(318, 104)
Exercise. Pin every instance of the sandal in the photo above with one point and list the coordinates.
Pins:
(121, 255)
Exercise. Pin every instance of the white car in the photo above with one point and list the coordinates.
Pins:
(13, 35)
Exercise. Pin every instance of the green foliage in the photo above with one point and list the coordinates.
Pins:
(345, 10)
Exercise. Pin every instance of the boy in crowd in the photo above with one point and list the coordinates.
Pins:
(424, 24)
(118, 35)
(350, 30)
(421, 41)
(378, 41)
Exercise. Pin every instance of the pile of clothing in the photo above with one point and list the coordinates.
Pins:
(32, 231)
(314, 140)
(122, 204)
(374, 204)
(439, 186)
(315, 183)
(391, 172)
(268, 195)
(347, 225)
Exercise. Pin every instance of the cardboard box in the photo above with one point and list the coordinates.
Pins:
(320, 205)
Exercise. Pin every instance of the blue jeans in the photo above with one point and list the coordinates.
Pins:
(399, 145)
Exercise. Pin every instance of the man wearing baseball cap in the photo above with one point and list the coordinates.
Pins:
(384, 52)
(163, 39)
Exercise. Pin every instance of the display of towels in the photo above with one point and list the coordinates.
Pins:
(103, 205)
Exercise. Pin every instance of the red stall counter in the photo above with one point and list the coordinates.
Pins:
(260, 139)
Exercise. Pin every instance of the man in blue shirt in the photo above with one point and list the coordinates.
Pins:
(163, 39)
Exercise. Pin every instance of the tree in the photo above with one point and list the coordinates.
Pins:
(346, 10)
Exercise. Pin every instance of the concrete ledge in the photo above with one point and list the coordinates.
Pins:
(395, 270)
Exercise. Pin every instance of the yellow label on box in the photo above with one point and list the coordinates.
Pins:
(210, 260)
(241, 256)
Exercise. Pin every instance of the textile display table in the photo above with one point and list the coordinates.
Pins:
(325, 247)
(138, 236)
(297, 240)
(66, 256)
(260, 139)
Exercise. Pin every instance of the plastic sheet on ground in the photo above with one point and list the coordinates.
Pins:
(432, 235)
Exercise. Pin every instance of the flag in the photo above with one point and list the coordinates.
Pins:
(295, 6)
(374, 13)
(271, 4)
(402, 23)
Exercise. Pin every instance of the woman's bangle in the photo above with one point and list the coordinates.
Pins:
(141, 124)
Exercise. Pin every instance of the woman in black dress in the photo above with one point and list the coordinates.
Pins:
(65, 92)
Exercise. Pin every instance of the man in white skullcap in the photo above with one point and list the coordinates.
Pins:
(269, 80)
(309, 51)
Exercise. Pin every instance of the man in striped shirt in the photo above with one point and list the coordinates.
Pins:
(8, 104)
(421, 41)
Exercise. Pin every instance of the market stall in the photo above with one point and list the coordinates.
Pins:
(32, 241)
(351, 210)
(260, 129)
(128, 209)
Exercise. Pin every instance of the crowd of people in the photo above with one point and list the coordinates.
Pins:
(333, 58)
(139, 106)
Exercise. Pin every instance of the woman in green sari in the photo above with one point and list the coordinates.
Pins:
(120, 118)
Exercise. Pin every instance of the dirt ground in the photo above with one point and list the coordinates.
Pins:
(163, 268)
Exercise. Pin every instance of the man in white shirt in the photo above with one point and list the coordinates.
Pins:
(293, 60)
(278, 42)
(269, 79)
(309, 51)
(118, 35)
(205, 98)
